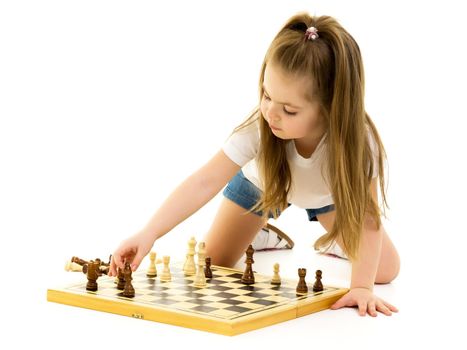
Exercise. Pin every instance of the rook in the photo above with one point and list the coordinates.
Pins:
(91, 269)
(301, 286)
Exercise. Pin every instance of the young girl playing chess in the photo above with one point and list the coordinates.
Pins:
(310, 143)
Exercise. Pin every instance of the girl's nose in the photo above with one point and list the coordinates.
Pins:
(272, 115)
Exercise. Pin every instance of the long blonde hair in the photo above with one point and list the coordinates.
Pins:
(333, 63)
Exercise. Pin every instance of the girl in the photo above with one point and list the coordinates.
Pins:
(309, 143)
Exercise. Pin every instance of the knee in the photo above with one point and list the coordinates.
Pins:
(219, 259)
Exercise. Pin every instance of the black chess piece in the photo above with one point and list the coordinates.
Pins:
(91, 269)
(318, 286)
(207, 268)
(128, 291)
(302, 288)
(120, 279)
(248, 275)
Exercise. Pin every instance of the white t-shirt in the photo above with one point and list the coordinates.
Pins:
(309, 189)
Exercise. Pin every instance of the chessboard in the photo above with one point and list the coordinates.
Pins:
(225, 306)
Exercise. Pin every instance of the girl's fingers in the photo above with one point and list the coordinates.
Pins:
(362, 307)
(390, 307)
(340, 303)
(383, 308)
(113, 268)
(372, 308)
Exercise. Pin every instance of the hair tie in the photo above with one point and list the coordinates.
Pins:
(312, 33)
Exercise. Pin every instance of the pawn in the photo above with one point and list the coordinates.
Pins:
(276, 279)
(302, 288)
(152, 271)
(128, 290)
(166, 276)
(207, 268)
(318, 286)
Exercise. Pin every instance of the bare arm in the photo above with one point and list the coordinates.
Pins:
(364, 270)
(192, 194)
(365, 267)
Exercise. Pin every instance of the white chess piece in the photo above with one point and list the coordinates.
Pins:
(276, 279)
(165, 275)
(200, 279)
(72, 266)
(189, 267)
(152, 271)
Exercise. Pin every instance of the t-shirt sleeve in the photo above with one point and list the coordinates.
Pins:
(242, 146)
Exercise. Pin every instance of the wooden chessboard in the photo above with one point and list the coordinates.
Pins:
(225, 306)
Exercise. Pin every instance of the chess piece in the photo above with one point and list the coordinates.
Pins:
(207, 269)
(189, 268)
(318, 285)
(152, 271)
(120, 279)
(103, 269)
(91, 269)
(200, 279)
(276, 279)
(165, 275)
(248, 275)
(74, 267)
(79, 261)
(202, 253)
(302, 288)
(128, 290)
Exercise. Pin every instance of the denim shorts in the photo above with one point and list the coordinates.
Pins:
(242, 191)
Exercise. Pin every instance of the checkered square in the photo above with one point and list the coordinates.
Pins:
(224, 296)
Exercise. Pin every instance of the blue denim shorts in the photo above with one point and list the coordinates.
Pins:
(242, 191)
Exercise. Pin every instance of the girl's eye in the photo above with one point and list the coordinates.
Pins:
(266, 97)
(289, 113)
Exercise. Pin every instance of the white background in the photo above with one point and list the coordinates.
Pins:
(106, 106)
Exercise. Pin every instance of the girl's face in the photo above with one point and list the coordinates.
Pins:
(284, 106)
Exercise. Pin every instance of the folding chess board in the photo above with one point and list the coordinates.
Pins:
(225, 306)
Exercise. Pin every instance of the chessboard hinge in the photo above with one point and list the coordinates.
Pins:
(137, 315)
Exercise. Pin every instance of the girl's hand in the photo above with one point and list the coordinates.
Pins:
(366, 302)
(133, 250)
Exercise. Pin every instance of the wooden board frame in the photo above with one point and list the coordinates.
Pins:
(76, 295)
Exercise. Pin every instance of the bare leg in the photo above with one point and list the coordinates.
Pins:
(230, 234)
